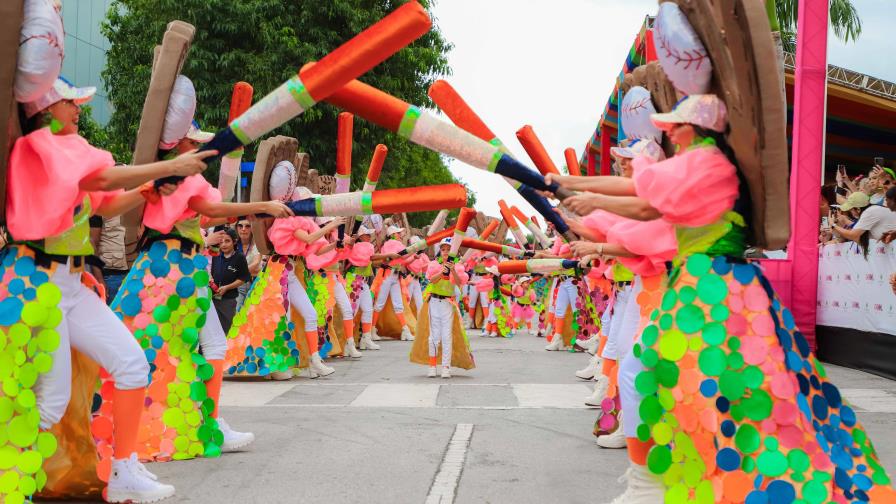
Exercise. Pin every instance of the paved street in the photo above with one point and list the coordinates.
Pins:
(514, 430)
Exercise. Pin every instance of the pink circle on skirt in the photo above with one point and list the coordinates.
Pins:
(754, 349)
(735, 303)
(607, 422)
(790, 436)
(141, 320)
(784, 413)
(782, 386)
(736, 324)
(756, 298)
(763, 325)
(734, 286)
(769, 426)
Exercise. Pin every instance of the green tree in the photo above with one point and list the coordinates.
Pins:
(844, 20)
(264, 42)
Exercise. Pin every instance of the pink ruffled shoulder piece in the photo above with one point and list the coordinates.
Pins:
(419, 264)
(282, 234)
(391, 247)
(555, 248)
(316, 262)
(360, 254)
(485, 285)
(600, 221)
(433, 270)
(692, 189)
(490, 261)
(518, 291)
(462, 277)
(653, 241)
(507, 279)
(166, 211)
(45, 172)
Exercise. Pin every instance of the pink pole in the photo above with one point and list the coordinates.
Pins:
(605, 162)
(808, 160)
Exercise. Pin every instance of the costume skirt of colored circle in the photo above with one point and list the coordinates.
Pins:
(29, 316)
(738, 406)
(261, 339)
(163, 301)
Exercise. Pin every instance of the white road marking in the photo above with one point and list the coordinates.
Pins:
(871, 400)
(445, 483)
(536, 395)
(256, 393)
(398, 395)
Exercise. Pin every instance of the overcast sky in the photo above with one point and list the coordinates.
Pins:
(553, 63)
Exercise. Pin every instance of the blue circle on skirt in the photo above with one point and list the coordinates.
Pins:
(160, 268)
(131, 305)
(29, 294)
(200, 261)
(39, 278)
(185, 287)
(16, 286)
(157, 251)
(186, 266)
(10, 311)
(174, 256)
(780, 492)
(24, 266)
(728, 459)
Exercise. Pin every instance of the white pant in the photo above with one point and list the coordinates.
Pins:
(299, 300)
(416, 292)
(627, 334)
(611, 349)
(566, 296)
(93, 329)
(628, 395)
(492, 311)
(389, 288)
(212, 339)
(441, 318)
(343, 302)
(365, 304)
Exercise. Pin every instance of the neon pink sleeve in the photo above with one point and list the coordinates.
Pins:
(433, 271)
(653, 241)
(692, 189)
(315, 261)
(100, 198)
(165, 212)
(462, 277)
(44, 178)
(485, 285)
(282, 234)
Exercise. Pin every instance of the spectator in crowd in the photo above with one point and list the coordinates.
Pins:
(246, 245)
(873, 220)
(881, 179)
(229, 271)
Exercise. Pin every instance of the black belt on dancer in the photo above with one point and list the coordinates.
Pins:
(187, 246)
(45, 260)
(437, 296)
(624, 284)
(114, 271)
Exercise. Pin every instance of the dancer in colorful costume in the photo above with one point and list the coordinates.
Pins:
(524, 297)
(56, 181)
(734, 407)
(388, 288)
(441, 329)
(165, 302)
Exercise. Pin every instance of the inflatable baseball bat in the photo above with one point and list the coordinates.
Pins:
(497, 248)
(428, 242)
(438, 223)
(348, 61)
(229, 175)
(410, 199)
(373, 178)
(484, 235)
(460, 229)
(541, 266)
(454, 106)
(536, 231)
(572, 164)
(344, 126)
(425, 129)
(511, 223)
(536, 151)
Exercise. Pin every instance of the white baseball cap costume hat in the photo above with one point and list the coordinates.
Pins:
(706, 111)
(391, 230)
(197, 135)
(639, 147)
(445, 241)
(61, 90)
(364, 230)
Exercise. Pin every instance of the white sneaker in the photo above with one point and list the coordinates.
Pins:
(318, 368)
(555, 344)
(374, 336)
(446, 372)
(127, 483)
(350, 350)
(367, 342)
(591, 369)
(589, 345)
(432, 372)
(406, 334)
(600, 391)
(142, 468)
(643, 487)
(233, 440)
(281, 375)
(614, 440)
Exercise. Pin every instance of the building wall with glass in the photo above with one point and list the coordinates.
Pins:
(85, 50)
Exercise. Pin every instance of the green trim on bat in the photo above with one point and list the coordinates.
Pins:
(367, 203)
(318, 205)
(235, 154)
(300, 93)
(496, 157)
(239, 133)
(409, 122)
